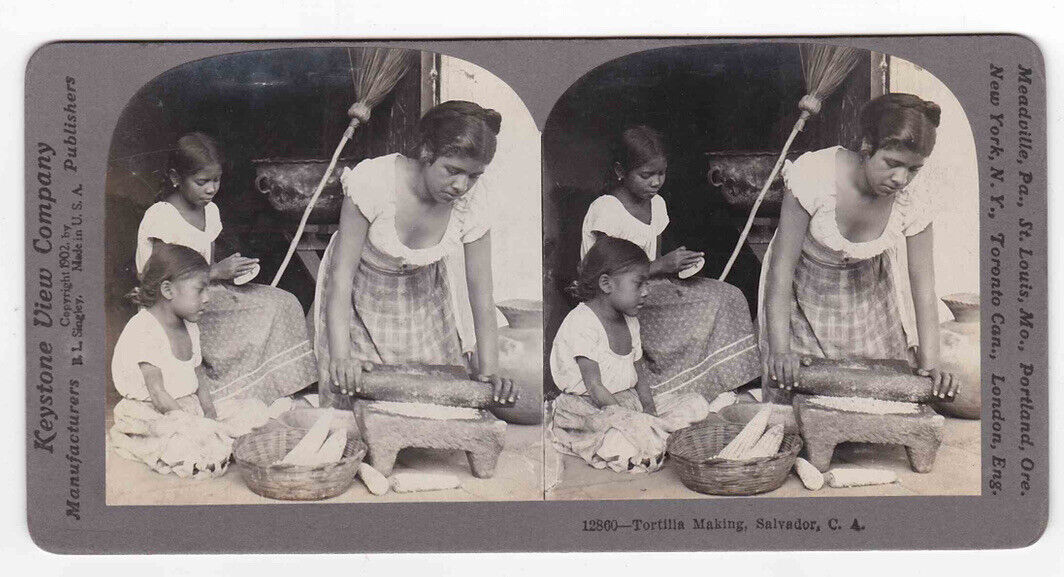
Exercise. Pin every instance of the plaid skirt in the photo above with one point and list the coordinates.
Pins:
(697, 337)
(255, 344)
(397, 316)
(846, 310)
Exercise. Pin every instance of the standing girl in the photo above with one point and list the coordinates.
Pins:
(165, 418)
(832, 285)
(255, 341)
(384, 292)
(697, 333)
(607, 414)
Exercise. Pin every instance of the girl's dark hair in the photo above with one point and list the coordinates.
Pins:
(898, 120)
(636, 146)
(168, 262)
(459, 128)
(609, 255)
(193, 152)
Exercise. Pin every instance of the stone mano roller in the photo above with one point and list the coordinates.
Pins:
(890, 380)
(434, 384)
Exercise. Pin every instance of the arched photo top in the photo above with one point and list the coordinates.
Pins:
(282, 168)
(768, 166)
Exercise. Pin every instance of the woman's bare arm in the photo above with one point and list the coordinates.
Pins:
(485, 326)
(786, 250)
(479, 283)
(344, 262)
(920, 252)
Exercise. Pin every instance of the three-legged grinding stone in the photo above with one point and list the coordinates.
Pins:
(823, 428)
(386, 433)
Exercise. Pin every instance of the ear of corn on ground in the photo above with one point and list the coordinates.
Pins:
(376, 482)
(859, 477)
(408, 482)
(812, 478)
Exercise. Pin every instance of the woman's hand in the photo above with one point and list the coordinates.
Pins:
(345, 375)
(946, 386)
(232, 266)
(676, 261)
(503, 391)
(784, 369)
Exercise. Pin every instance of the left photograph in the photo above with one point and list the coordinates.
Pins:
(324, 283)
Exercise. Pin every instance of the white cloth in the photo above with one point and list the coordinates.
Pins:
(144, 340)
(162, 221)
(183, 442)
(372, 187)
(609, 216)
(811, 179)
(621, 437)
(581, 334)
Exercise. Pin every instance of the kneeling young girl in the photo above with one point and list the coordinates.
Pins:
(165, 419)
(607, 415)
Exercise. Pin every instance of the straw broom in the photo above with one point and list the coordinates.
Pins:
(824, 68)
(378, 71)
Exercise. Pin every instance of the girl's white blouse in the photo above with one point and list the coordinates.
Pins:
(162, 221)
(581, 334)
(608, 216)
(144, 340)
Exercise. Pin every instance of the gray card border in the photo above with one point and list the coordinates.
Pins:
(107, 75)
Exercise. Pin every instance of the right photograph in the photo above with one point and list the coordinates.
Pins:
(761, 277)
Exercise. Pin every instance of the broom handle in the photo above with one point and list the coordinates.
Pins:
(350, 132)
(798, 126)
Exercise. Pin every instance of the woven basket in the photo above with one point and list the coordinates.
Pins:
(692, 453)
(256, 453)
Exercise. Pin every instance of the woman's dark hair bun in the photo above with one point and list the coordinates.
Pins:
(899, 120)
(933, 112)
(459, 128)
(492, 118)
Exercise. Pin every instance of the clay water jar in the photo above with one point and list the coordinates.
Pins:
(960, 355)
(521, 359)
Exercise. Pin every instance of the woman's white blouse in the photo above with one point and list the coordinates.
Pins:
(371, 186)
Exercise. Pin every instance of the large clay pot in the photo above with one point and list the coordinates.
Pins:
(960, 355)
(739, 177)
(288, 185)
(521, 358)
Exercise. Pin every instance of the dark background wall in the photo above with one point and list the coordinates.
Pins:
(703, 99)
